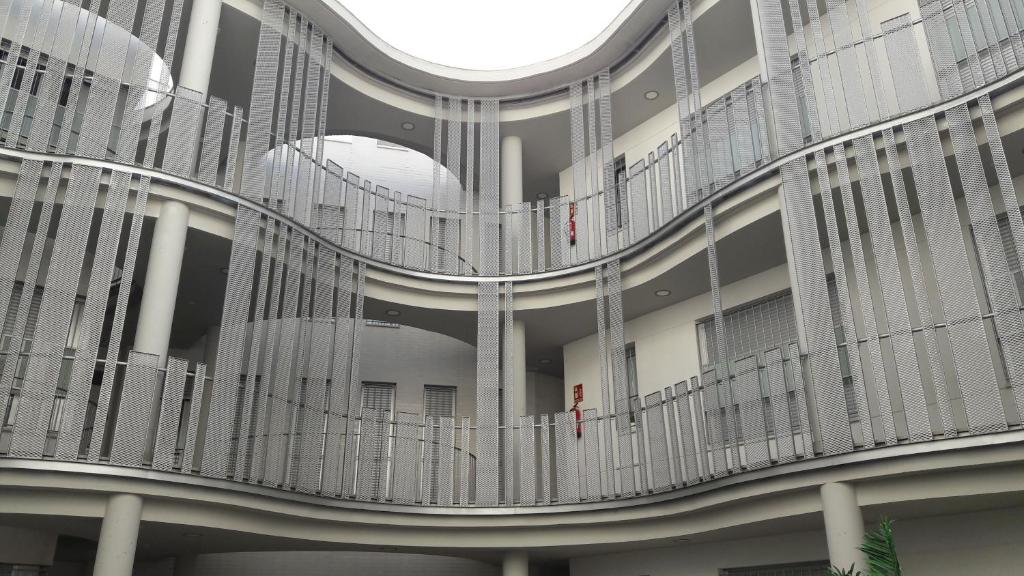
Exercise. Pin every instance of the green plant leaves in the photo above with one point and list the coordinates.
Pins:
(880, 550)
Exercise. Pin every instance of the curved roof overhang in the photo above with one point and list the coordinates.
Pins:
(359, 45)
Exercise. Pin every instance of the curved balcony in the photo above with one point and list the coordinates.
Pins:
(283, 408)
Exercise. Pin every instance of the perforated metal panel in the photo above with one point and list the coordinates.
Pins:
(1015, 249)
(889, 275)
(544, 496)
(446, 461)
(55, 311)
(687, 437)
(935, 372)
(101, 276)
(372, 426)
(527, 462)
(465, 459)
(788, 131)
(338, 393)
(170, 414)
(404, 488)
(661, 474)
(590, 457)
(315, 406)
(607, 391)
(750, 401)
(131, 434)
(510, 363)
(566, 458)
(905, 62)
(487, 395)
(209, 158)
(117, 325)
(183, 132)
(216, 452)
(859, 379)
(998, 281)
(971, 355)
(428, 479)
(347, 473)
(489, 233)
(722, 389)
(541, 237)
(830, 397)
(188, 460)
(611, 220)
(618, 381)
(782, 427)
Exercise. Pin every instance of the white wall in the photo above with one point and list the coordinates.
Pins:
(983, 543)
(411, 357)
(544, 394)
(666, 340)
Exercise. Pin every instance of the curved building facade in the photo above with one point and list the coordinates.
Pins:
(709, 295)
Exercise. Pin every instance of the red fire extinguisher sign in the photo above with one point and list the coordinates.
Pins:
(577, 397)
(572, 223)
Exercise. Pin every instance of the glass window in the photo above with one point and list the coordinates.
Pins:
(439, 401)
(631, 378)
(977, 30)
(957, 39)
(620, 186)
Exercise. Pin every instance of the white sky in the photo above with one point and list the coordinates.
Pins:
(486, 34)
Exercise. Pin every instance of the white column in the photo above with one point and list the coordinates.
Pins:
(115, 553)
(519, 374)
(200, 44)
(844, 525)
(161, 289)
(515, 564)
(518, 394)
(511, 171)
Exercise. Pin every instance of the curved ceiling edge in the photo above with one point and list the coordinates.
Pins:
(623, 37)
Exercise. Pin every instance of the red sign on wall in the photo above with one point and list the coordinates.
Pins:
(577, 393)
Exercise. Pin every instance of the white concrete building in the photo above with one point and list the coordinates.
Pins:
(284, 292)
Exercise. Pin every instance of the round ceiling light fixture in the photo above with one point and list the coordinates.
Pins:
(545, 360)
(408, 126)
(662, 292)
(392, 312)
(542, 196)
(651, 95)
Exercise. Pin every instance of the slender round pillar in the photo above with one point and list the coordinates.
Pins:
(515, 563)
(200, 43)
(511, 171)
(156, 313)
(518, 395)
(844, 525)
(519, 370)
(115, 554)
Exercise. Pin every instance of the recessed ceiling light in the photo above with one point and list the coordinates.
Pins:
(651, 94)
(542, 196)
(545, 360)
(662, 292)
(408, 126)
(392, 312)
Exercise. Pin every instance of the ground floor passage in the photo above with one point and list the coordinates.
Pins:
(979, 539)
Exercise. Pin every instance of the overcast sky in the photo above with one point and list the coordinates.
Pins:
(486, 34)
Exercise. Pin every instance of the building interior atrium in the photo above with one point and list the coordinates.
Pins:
(478, 288)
